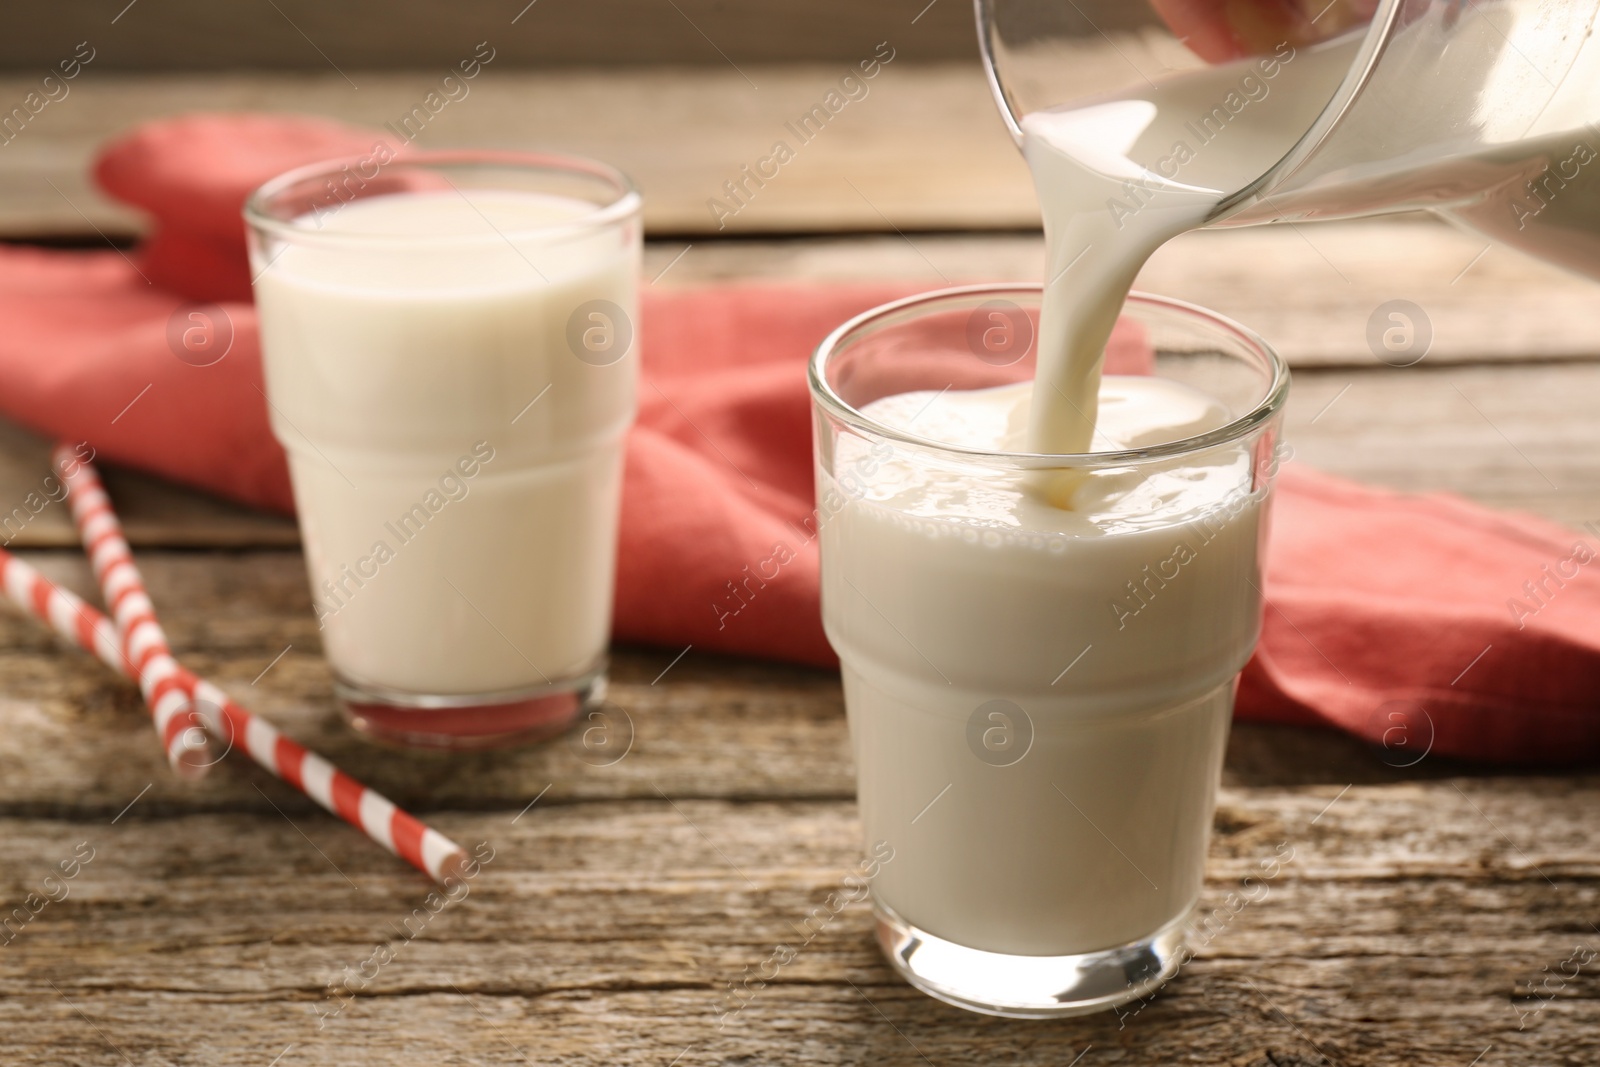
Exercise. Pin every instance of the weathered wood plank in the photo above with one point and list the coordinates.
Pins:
(1499, 431)
(76, 743)
(1245, 1019)
(778, 730)
(1414, 923)
(609, 933)
(364, 35)
(153, 511)
(923, 148)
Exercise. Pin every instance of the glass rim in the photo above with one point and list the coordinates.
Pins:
(1271, 403)
(626, 203)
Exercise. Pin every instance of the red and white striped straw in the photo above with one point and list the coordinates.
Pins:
(141, 638)
(369, 811)
(374, 815)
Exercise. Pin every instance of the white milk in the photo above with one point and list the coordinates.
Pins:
(458, 539)
(1116, 627)
(1119, 178)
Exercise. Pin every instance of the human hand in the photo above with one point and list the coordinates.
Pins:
(1222, 30)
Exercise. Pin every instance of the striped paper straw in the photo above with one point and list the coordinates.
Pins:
(374, 815)
(143, 641)
(369, 811)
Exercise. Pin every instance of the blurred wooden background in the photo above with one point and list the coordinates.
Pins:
(201, 35)
(679, 93)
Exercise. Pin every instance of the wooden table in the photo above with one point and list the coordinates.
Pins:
(1430, 915)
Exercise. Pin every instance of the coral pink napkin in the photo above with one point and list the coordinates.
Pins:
(1423, 623)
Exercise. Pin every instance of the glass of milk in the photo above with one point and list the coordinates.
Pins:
(1039, 696)
(449, 341)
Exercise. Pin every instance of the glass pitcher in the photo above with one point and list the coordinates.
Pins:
(1483, 110)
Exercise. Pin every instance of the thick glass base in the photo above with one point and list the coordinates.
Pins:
(1029, 987)
(468, 721)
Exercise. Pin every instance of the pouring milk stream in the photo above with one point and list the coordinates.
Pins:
(1485, 111)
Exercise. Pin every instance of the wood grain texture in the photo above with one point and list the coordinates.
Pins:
(78, 746)
(372, 34)
(153, 511)
(607, 933)
(923, 149)
(1496, 429)
(1312, 291)
(215, 921)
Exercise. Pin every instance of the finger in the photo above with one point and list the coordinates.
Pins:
(1222, 30)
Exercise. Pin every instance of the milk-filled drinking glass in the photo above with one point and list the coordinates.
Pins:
(1039, 697)
(450, 355)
